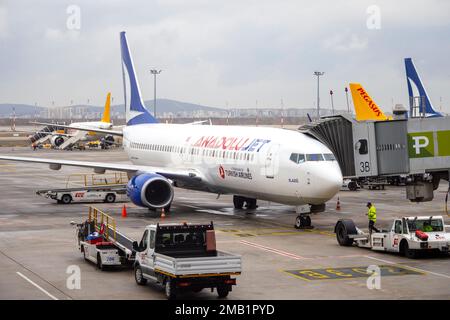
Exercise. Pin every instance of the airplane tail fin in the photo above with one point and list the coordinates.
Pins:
(365, 107)
(135, 110)
(419, 102)
(107, 112)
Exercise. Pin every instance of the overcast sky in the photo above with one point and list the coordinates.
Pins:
(213, 52)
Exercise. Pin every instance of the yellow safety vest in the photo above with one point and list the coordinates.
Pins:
(372, 213)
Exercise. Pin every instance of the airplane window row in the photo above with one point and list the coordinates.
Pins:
(195, 151)
(300, 158)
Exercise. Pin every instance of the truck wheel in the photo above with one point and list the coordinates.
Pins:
(223, 291)
(238, 202)
(66, 199)
(343, 229)
(99, 262)
(110, 198)
(84, 253)
(171, 292)
(352, 186)
(409, 253)
(138, 276)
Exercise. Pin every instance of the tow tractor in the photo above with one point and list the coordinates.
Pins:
(90, 188)
(180, 257)
(406, 236)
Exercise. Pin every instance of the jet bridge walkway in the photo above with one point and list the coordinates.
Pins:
(418, 148)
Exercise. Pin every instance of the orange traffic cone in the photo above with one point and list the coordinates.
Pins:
(124, 211)
(163, 213)
(338, 205)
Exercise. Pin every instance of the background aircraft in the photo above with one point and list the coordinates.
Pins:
(76, 131)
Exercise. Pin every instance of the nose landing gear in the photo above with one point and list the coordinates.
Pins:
(303, 221)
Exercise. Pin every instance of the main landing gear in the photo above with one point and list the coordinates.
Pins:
(239, 202)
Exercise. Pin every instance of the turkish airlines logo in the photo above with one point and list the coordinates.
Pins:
(369, 101)
(221, 172)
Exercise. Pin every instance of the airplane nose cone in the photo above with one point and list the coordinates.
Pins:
(329, 182)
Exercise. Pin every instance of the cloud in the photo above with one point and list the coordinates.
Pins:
(211, 52)
(346, 43)
(3, 22)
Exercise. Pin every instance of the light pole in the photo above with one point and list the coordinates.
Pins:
(154, 72)
(346, 96)
(332, 104)
(318, 74)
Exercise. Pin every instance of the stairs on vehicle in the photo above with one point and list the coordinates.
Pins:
(72, 140)
(43, 134)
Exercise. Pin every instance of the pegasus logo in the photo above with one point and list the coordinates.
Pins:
(372, 105)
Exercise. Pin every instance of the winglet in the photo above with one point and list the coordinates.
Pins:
(107, 111)
(365, 107)
(417, 94)
(136, 112)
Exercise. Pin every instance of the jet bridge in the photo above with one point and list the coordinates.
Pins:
(416, 147)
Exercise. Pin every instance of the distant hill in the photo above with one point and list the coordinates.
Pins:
(21, 110)
(162, 105)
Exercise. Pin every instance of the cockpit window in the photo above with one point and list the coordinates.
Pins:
(329, 157)
(297, 157)
(314, 157)
(294, 157)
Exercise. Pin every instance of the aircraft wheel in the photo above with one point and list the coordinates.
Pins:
(238, 202)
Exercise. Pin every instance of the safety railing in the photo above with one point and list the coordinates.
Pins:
(89, 180)
(102, 220)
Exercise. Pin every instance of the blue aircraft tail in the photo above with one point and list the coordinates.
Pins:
(419, 102)
(136, 112)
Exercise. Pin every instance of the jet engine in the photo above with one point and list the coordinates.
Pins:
(56, 141)
(150, 190)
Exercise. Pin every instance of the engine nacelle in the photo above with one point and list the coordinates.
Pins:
(150, 190)
(56, 141)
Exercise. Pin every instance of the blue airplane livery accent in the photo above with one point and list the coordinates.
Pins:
(416, 89)
(136, 112)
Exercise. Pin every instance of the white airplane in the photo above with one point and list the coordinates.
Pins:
(251, 163)
(78, 131)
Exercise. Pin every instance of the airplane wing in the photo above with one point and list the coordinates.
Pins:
(105, 131)
(185, 176)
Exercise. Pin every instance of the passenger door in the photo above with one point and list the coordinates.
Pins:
(272, 161)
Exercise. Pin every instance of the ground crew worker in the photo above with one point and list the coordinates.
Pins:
(372, 215)
(427, 227)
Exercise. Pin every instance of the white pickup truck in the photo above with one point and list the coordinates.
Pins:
(183, 257)
(408, 236)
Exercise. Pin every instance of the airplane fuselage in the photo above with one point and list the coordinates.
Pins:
(248, 161)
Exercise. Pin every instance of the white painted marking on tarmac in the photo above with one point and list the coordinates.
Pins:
(37, 286)
(413, 268)
(216, 212)
(273, 250)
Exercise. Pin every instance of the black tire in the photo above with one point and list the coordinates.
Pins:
(66, 199)
(170, 290)
(138, 276)
(238, 202)
(352, 186)
(99, 262)
(222, 291)
(251, 203)
(342, 234)
(84, 253)
(299, 222)
(110, 198)
(407, 252)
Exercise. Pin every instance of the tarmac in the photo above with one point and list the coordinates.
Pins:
(38, 250)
